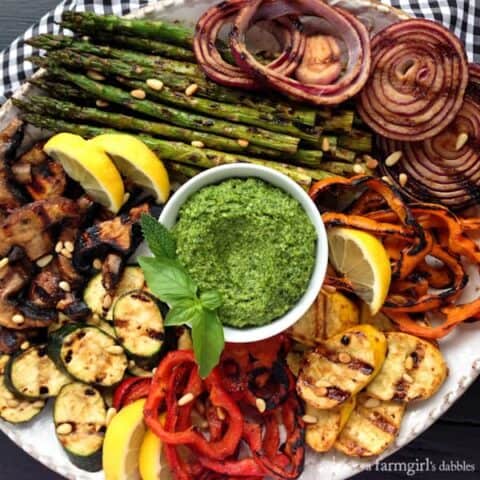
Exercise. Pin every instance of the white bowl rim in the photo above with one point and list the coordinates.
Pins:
(221, 173)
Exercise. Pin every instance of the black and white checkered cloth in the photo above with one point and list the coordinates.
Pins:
(462, 17)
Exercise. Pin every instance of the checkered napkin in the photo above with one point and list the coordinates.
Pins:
(462, 17)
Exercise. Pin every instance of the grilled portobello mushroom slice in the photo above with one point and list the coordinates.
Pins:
(88, 354)
(31, 374)
(79, 415)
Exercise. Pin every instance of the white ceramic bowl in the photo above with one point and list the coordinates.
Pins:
(242, 170)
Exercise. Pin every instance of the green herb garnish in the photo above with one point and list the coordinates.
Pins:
(170, 282)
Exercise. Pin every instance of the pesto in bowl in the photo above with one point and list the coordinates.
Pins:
(251, 241)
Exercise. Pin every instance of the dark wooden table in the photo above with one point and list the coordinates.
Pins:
(453, 440)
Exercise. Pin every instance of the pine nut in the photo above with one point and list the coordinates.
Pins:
(358, 169)
(242, 142)
(131, 364)
(64, 428)
(187, 398)
(154, 370)
(407, 378)
(310, 419)
(64, 252)
(155, 84)
(101, 103)
(370, 162)
(191, 90)
(111, 412)
(59, 247)
(203, 424)
(114, 350)
(329, 288)
(44, 261)
(107, 301)
(4, 262)
(13, 403)
(393, 158)
(387, 180)
(325, 144)
(221, 414)
(321, 391)
(94, 75)
(68, 245)
(462, 139)
(344, 357)
(139, 94)
(86, 38)
(65, 286)
(97, 264)
(138, 69)
(18, 319)
(409, 363)
(197, 144)
(260, 404)
(402, 179)
(126, 197)
(25, 345)
(372, 403)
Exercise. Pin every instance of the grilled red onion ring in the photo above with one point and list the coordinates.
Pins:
(446, 168)
(285, 30)
(350, 31)
(418, 80)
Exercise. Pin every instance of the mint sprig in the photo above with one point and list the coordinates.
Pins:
(170, 282)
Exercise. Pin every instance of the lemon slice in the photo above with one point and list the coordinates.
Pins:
(362, 259)
(151, 460)
(90, 167)
(122, 443)
(136, 162)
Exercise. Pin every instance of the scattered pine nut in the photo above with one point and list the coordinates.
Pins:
(25, 345)
(242, 142)
(68, 245)
(94, 75)
(221, 414)
(321, 391)
(409, 363)
(325, 144)
(101, 103)
(126, 197)
(191, 90)
(64, 428)
(358, 169)
(18, 319)
(402, 179)
(393, 158)
(131, 364)
(64, 252)
(86, 38)
(138, 69)
(329, 288)
(111, 412)
(97, 264)
(114, 349)
(462, 139)
(310, 419)
(387, 180)
(4, 262)
(197, 144)
(204, 425)
(65, 286)
(344, 357)
(44, 261)
(154, 370)
(407, 378)
(370, 162)
(186, 399)
(138, 93)
(154, 84)
(13, 403)
(260, 404)
(59, 247)
(372, 403)
(107, 301)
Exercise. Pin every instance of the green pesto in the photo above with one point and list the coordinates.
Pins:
(253, 243)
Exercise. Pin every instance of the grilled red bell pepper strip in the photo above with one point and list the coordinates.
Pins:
(129, 390)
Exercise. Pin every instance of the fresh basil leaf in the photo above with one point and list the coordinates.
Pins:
(160, 240)
(184, 312)
(212, 299)
(167, 279)
(208, 340)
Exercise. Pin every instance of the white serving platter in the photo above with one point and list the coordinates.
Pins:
(460, 348)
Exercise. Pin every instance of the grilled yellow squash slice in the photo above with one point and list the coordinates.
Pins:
(321, 435)
(414, 369)
(330, 314)
(341, 366)
(371, 428)
(379, 320)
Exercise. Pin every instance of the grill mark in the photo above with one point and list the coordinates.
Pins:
(335, 393)
(382, 423)
(401, 390)
(354, 364)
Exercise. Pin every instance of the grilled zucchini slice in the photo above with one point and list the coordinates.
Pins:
(414, 369)
(132, 279)
(103, 325)
(138, 324)
(330, 314)
(14, 409)
(86, 354)
(31, 374)
(341, 366)
(371, 428)
(321, 436)
(79, 415)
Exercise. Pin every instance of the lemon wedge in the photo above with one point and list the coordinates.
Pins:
(136, 162)
(151, 460)
(122, 443)
(361, 258)
(90, 167)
